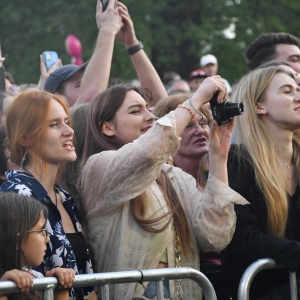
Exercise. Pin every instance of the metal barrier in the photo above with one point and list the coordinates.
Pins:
(48, 284)
(254, 269)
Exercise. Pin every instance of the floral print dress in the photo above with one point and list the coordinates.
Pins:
(59, 250)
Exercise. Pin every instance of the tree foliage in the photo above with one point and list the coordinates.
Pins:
(175, 33)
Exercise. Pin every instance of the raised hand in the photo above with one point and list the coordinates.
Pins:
(126, 35)
(109, 20)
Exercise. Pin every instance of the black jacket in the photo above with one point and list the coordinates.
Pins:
(251, 241)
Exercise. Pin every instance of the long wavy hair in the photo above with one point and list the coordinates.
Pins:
(18, 214)
(103, 108)
(255, 136)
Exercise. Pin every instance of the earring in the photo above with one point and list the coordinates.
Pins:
(23, 160)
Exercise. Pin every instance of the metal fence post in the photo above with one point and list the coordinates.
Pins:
(160, 289)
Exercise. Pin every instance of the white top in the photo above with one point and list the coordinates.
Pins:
(110, 179)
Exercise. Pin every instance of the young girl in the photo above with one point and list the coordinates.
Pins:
(142, 213)
(265, 168)
(23, 245)
(41, 140)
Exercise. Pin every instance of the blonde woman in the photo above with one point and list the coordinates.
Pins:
(264, 168)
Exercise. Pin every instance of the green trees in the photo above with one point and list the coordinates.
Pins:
(175, 33)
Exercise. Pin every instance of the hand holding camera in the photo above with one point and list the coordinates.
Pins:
(223, 112)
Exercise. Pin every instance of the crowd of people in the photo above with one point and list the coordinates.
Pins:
(99, 178)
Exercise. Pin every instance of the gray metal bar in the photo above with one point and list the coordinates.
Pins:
(105, 292)
(293, 285)
(102, 279)
(251, 272)
(49, 292)
(160, 289)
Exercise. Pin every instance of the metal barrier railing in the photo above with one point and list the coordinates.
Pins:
(254, 269)
(48, 284)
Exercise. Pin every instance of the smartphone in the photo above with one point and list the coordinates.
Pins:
(105, 4)
(50, 58)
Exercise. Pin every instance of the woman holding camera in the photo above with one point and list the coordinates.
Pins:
(142, 213)
(265, 168)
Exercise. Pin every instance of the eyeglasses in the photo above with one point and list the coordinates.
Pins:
(43, 232)
(192, 126)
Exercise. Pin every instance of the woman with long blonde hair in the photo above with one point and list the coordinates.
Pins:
(264, 167)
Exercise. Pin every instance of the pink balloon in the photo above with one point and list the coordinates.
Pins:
(73, 46)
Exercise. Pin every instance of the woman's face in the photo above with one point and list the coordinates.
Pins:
(280, 108)
(132, 119)
(34, 245)
(194, 143)
(58, 138)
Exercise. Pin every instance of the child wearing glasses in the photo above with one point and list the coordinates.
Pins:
(40, 139)
(23, 245)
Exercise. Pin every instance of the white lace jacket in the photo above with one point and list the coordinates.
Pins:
(111, 179)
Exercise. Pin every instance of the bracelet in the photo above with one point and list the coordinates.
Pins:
(135, 49)
(199, 113)
(180, 105)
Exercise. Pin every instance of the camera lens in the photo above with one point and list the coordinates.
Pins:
(228, 110)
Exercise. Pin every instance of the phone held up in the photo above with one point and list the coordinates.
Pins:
(50, 58)
(105, 4)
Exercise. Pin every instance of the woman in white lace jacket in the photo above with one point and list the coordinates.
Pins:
(136, 205)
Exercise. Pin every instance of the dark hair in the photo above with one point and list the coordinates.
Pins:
(3, 157)
(9, 77)
(18, 214)
(169, 76)
(263, 49)
(69, 176)
(102, 109)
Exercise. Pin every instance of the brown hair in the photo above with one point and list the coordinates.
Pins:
(103, 108)
(26, 122)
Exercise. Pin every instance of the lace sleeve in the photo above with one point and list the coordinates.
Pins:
(212, 214)
(111, 178)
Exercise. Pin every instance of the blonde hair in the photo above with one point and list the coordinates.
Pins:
(255, 136)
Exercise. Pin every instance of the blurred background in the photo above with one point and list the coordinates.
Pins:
(174, 33)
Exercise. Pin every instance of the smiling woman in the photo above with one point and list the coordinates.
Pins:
(141, 212)
(40, 139)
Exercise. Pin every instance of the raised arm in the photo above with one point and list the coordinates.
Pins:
(96, 75)
(146, 72)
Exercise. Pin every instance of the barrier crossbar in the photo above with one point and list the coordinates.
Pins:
(103, 280)
(254, 269)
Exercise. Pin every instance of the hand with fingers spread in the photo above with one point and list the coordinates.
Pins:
(109, 20)
(126, 35)
(23, 279)
(65, 276)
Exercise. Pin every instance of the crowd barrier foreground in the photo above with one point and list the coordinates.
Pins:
(103, 280)
(254, 269)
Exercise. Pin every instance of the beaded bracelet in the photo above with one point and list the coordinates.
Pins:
(180, 105)
(199, 113)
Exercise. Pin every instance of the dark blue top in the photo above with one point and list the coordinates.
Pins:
(59, 250)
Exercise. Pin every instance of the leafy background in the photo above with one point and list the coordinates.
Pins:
(175, 33)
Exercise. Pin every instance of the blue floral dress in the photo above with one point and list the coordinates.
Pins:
(59, 250)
